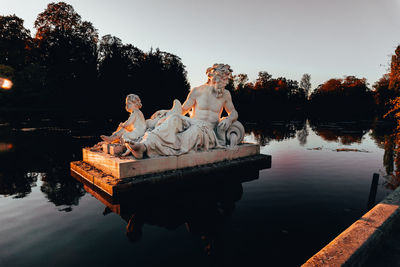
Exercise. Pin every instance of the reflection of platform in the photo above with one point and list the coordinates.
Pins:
(204, 205)
(114, 175)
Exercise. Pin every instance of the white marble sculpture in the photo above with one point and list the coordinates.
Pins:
(170, 132)
(133, 128)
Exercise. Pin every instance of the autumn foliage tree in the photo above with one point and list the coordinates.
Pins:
(383, 94)
(67, 47)
(349, 97)
(387, 88)
(65, 68)
(394, 75)
(387, 93)
(268, 97)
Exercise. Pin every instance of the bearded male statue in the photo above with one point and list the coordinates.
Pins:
(173, 133)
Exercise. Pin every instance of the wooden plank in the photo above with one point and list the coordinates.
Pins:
(95, 176)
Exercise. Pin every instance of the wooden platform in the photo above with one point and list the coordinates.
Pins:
(114, 186)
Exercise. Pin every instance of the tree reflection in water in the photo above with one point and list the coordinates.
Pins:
(342, 132)
(43, 154)
(303, 134)
(391, 161)
(39, 155)
(278, 131)
(385, 137)
(61, 190)
(18, 184)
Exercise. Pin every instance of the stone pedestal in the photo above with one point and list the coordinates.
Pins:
(129, 167)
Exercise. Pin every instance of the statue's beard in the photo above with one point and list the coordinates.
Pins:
(219, 90)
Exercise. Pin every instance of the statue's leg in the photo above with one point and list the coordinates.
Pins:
(115, 136)
(176, 108)
(137, 149)
(221, 135)
(127, 152)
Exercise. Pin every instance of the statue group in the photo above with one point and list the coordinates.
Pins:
(172, 132)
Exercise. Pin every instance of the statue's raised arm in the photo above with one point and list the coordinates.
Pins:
(226, 122)
(190, 101)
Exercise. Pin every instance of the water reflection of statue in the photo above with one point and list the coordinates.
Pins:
(204, 129)
(134, 127)
(206, 212)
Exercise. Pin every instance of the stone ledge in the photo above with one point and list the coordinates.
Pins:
(352, 247)
(129, 167)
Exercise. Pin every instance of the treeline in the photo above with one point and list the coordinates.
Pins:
(267, 97)
(349, 97)
(67, 67)
(270, 97)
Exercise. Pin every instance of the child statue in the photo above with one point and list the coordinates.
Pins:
(133, 128)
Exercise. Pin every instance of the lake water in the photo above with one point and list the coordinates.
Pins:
(318, 185)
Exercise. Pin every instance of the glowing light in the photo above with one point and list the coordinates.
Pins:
(5, 147)
(5, 83)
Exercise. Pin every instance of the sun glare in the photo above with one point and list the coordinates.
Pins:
(5, 83)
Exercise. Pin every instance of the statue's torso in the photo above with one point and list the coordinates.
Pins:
(208, 107)
(139, 122)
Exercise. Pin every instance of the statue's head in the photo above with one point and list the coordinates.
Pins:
(218, 76)
(132, 102)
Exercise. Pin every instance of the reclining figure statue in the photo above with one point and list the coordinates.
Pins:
(170, 132)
